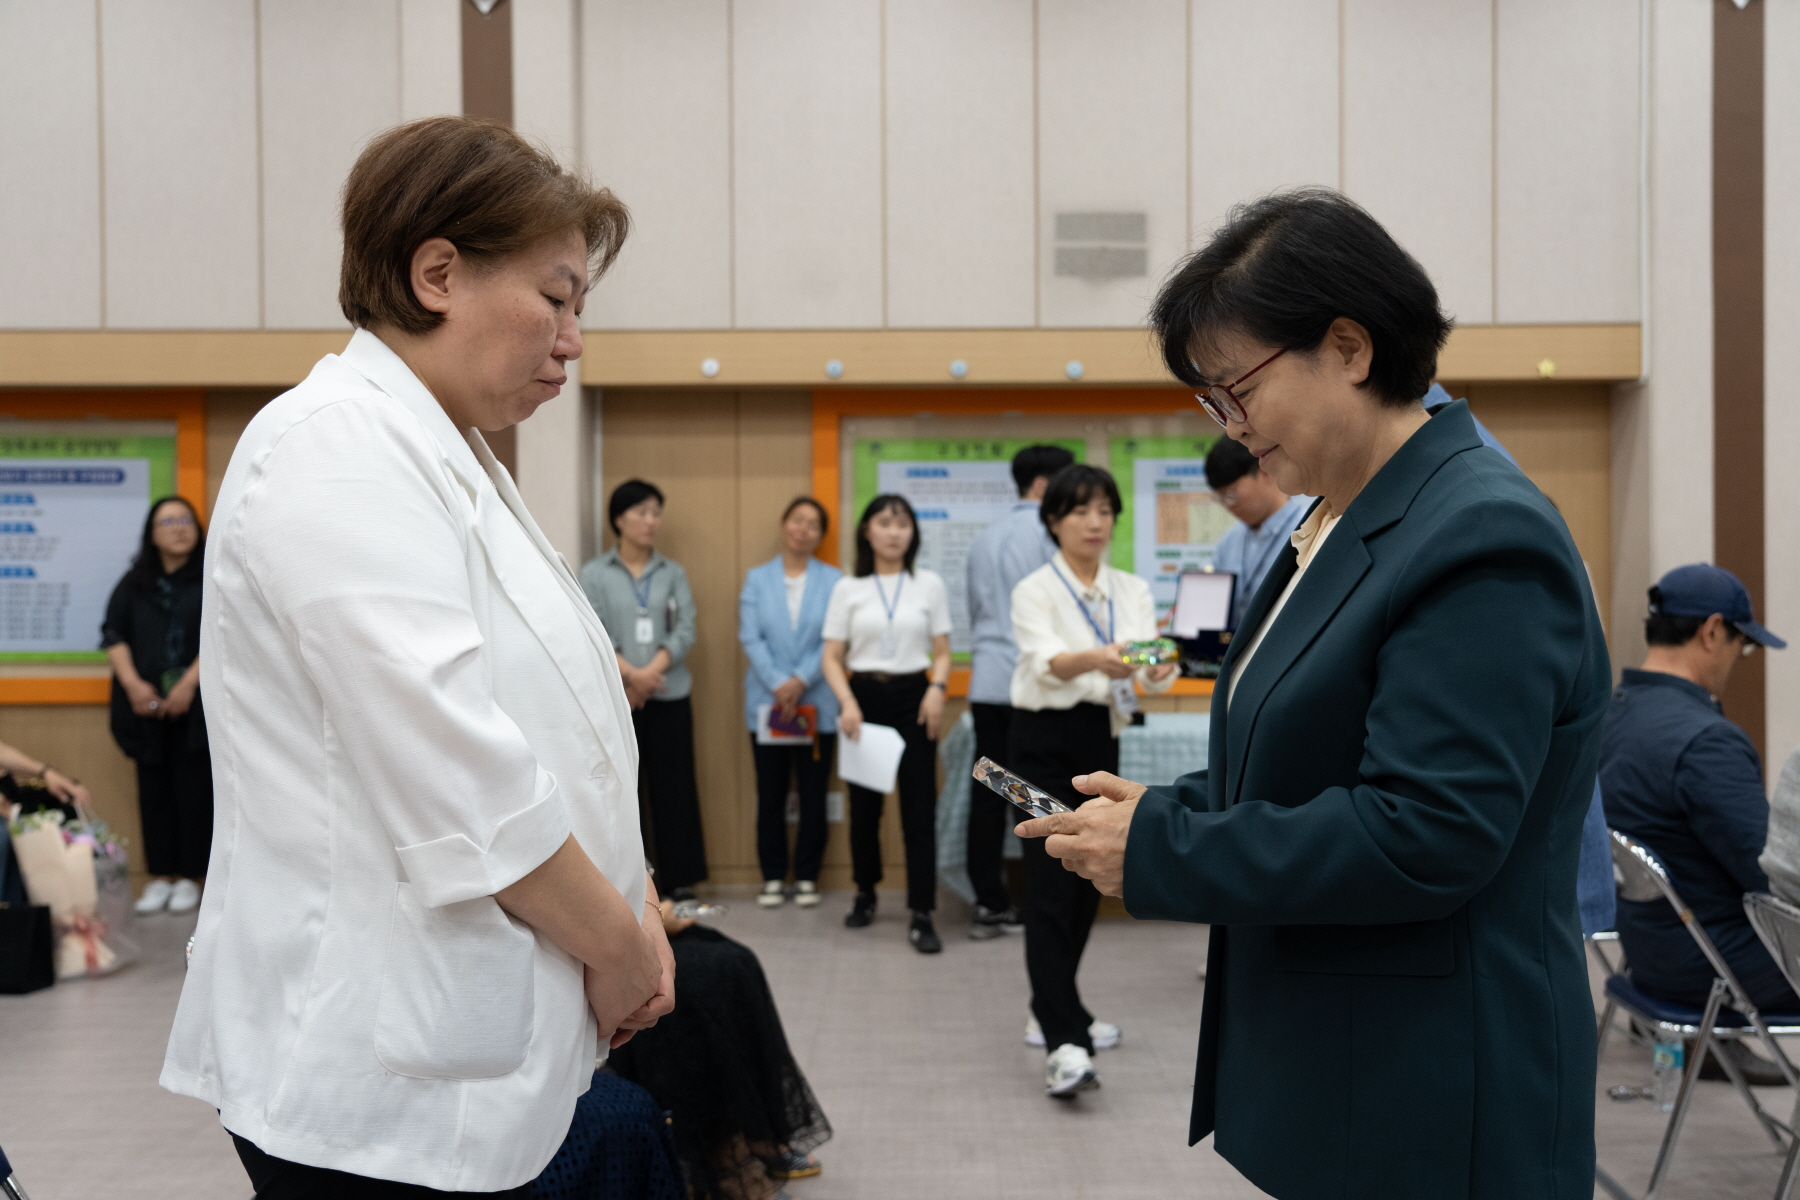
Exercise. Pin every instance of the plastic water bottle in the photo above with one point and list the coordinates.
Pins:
(1667, 1060)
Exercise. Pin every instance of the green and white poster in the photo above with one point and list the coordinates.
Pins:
(957, 486)
(1172, 520)
(72, 508)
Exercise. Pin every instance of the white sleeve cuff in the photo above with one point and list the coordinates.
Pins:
(454, 868)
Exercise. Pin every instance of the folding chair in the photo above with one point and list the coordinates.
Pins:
(1777, 923)
(10, 1187)
(1729, 1015)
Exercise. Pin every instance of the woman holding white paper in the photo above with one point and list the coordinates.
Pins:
(1072, 693)
(887, 658)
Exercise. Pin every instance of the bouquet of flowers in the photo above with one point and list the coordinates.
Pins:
(77, 867)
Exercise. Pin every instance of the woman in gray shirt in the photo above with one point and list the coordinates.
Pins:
(645, 603)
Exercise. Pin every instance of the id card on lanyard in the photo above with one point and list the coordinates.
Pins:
(889, 646)
(645, 631)
(1124, 696)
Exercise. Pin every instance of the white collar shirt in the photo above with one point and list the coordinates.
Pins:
(411, 706)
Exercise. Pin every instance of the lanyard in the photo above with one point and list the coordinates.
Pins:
(1106, 637)
(642, 597)
(879, 591)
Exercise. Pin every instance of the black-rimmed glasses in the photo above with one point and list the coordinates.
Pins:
(1221, 402)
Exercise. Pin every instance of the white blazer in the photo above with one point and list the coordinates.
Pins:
(411, 705)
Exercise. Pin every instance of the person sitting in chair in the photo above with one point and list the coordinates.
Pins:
(1684, 780)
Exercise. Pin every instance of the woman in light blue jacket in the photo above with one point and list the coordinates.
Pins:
(781, 620)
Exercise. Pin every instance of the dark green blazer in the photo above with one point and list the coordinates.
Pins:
(1384, 842)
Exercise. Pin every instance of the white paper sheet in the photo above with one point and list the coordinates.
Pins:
(873, 760)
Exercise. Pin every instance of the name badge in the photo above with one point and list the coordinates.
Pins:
(1124, 696)
(645, 632)
(889, 646)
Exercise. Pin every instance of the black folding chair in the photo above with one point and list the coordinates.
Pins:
(1777, 923)
(1728, 1016)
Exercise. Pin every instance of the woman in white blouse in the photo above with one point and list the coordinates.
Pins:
(428, 908)
(1073, 693)
(887, 659)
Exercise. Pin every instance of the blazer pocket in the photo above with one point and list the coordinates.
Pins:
(1414, 948)
(456, 990)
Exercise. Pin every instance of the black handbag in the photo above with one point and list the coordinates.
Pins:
(27, 948)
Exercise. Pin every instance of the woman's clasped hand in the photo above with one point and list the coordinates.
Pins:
(1091, 840)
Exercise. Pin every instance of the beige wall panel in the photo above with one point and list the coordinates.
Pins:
(1566, 159)
(50, 165)
(1418, 136)
(807, 137)
(546, 74)
(430, 58)
(78, 738)
(551, 450)
(1781, 399)
(1662, 428)
(960, 186)
(1561, 435)
(330, 74)
(1265, 101)
(181, 151)
(1112, 137)
(656, 128)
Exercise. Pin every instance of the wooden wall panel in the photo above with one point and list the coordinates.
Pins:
(1562, 436)
(50, 165)
(960, 192)
(1418, 136)
(179, 122)
(1112, 137)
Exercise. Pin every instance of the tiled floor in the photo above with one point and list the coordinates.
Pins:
(918, 1062)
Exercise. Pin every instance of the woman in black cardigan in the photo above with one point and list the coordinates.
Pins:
(152, 636)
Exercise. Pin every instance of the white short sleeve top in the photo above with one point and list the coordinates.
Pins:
(914, 605)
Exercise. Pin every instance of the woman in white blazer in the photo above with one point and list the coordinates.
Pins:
(427, 905)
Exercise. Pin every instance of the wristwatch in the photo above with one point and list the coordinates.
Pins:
(942, 687)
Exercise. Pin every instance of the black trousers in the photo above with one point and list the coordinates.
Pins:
(810, 769)
(895, 701)
(175, 806)
(1047, 748)
(277, 1179)
(669, 793)
(989, 815)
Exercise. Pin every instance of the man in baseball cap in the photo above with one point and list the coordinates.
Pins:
(1678, 776)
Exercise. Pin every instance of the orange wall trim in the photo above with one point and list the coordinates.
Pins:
(68, 689)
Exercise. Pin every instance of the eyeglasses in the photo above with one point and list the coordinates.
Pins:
(174, 522)
(1221, 403)
(1227, 495)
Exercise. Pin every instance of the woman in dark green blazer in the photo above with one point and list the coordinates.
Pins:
(1385, 837)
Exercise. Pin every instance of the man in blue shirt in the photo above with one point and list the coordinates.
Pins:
(1681, 778)
(1266, 515)
(1001, 555)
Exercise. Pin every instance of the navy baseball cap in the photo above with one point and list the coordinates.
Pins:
(1700, 590)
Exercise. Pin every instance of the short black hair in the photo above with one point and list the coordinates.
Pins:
(1038, 462)
(628, 495)
(1281, 270)
(1074, 486)
(865, 553)
(1227, 462)
(797, 501)
(1663, 629)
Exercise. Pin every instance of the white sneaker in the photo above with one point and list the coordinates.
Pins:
(773, 894)
(1105, 1034)
(155, 897)
(1069, 1071)
(806, 894)
(185, 897)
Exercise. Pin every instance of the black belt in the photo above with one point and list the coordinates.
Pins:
(884, 677)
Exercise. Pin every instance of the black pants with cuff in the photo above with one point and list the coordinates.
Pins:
(894, 700)
(989, 814)
(278, 1179)
(1047, 748)
(810, 769)
(669, 793)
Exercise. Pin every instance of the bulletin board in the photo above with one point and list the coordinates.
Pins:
(77, 473)
(949, 451)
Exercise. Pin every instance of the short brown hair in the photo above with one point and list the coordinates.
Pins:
(472, 181)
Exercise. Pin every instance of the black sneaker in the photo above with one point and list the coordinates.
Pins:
(923, 937)
(989, 923)
(861, 912)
